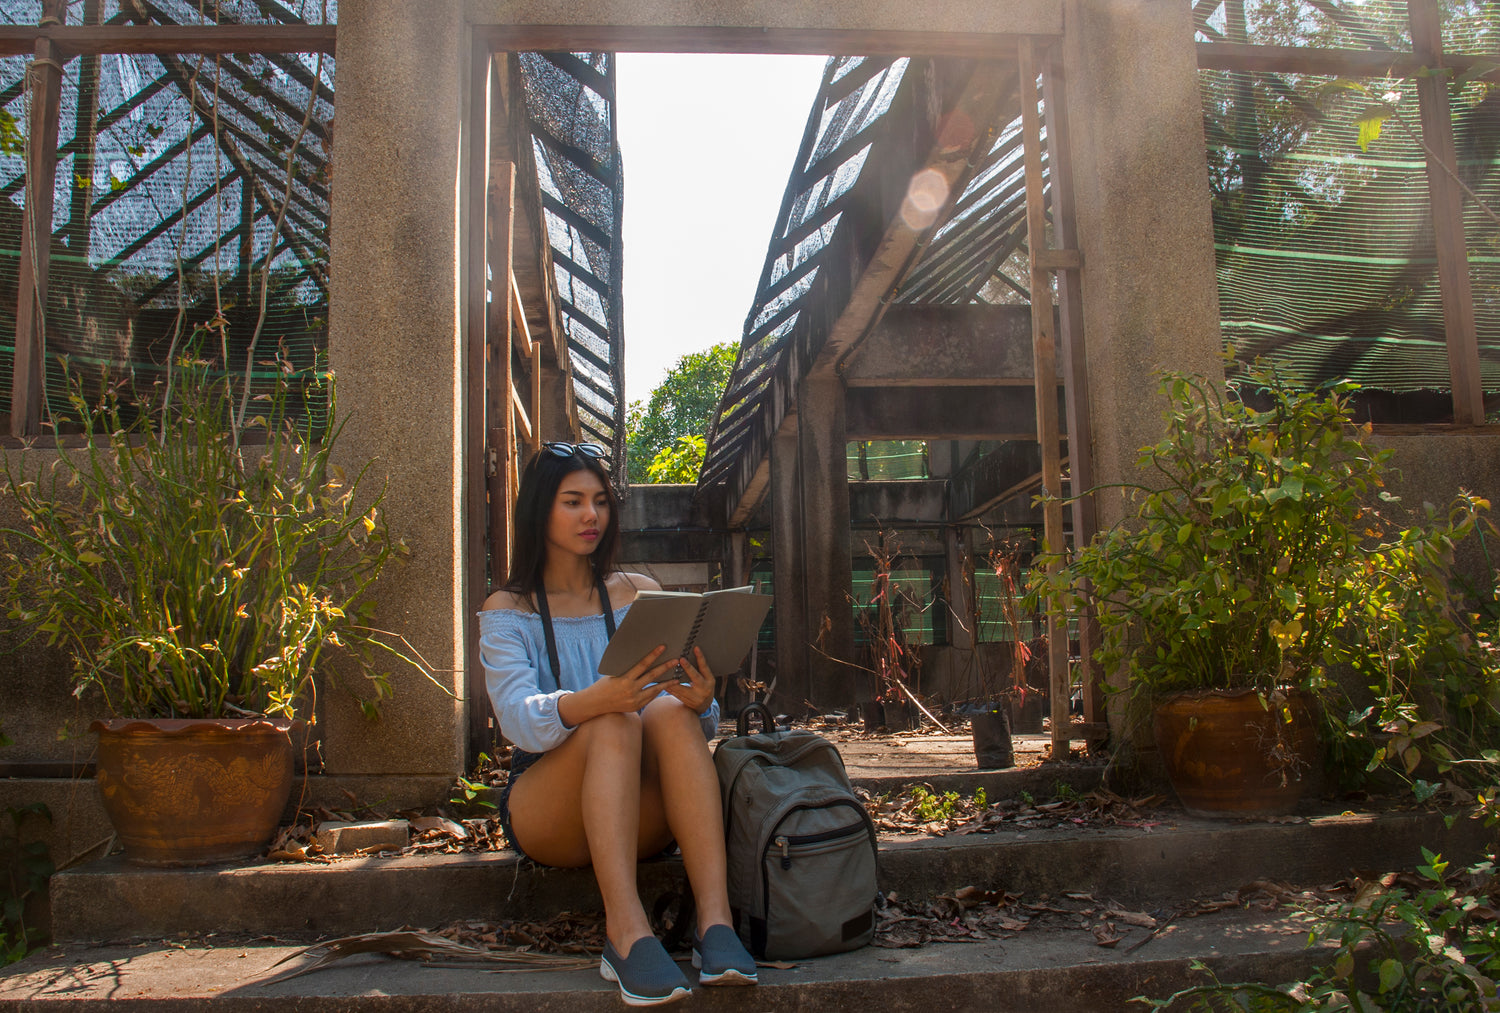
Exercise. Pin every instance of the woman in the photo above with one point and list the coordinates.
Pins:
(605, 770)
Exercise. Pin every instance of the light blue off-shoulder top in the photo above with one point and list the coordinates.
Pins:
(520, 681)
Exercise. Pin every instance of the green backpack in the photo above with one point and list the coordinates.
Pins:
(802, 848)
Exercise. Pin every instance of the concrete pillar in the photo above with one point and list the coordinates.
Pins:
(1140, 177)
(960, 575)
(824, 464)
(736, 571)
(394, 343)
(791, 596)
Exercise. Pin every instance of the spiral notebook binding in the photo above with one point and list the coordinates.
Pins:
(692, 637)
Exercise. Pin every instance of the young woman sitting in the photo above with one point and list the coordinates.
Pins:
(605, 771)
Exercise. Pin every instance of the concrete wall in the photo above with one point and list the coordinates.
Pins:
(1432, 469)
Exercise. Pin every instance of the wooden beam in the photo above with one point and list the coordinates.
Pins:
(1057, 260)
(521, 332)
(209, 40)
(476, 317)
(748, 39)
(531, 350)
(499, 379)
(1446, 200)
(1332, 62)
(1071, 340)
(1045, 352)
(36, 232)
(523, 424)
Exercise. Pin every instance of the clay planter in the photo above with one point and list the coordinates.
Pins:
(194, 791)
(1226, 754)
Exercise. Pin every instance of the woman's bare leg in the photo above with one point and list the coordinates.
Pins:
(680, 783)
(581, 803)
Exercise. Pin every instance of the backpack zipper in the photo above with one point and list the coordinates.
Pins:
(786, 843)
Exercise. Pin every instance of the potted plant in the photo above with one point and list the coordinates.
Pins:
(1254, 569)
(198, 552)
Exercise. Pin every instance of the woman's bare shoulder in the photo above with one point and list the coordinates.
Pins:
(628, 585)
(507, 600)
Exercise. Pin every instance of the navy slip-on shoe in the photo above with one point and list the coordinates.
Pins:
(722, 959)
(647, 977)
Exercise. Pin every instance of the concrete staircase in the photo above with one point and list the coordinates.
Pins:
(208, 938)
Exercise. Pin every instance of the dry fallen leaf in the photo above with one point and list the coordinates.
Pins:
(293, 852)
(1138, 918)
(1105, 934)
(423, 824)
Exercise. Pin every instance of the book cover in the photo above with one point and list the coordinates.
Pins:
(722, 623)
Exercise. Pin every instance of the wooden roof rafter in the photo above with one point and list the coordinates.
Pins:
(988, 87)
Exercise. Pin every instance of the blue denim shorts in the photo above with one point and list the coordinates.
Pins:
(520, 759)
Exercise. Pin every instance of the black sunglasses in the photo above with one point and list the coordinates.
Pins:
(569, 449)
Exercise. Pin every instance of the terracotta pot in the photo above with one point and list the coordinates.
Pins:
(1226, 754)
(194, 791)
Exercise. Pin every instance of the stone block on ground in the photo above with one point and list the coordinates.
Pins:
(339, 838)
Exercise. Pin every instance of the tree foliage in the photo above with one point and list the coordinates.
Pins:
(681, 406)
(680, 462)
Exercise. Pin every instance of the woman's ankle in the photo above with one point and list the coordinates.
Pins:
(626, 935)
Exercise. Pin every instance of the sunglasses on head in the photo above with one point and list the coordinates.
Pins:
(560, 449)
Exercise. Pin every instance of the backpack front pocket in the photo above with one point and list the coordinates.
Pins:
(811, 857)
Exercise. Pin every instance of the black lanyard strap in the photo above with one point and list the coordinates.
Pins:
(546, 614)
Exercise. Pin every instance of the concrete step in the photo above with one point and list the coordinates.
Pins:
(208, 938)
(1164, 862)
(1034, 971)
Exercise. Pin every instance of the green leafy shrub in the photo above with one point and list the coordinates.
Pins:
(197, 557)
(1435, 950)
(1260, 561)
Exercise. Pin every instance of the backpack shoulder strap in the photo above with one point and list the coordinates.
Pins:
(546, 614)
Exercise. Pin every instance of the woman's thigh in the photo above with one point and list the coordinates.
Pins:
(546, 804)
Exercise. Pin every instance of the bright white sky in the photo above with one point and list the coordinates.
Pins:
(707, 143)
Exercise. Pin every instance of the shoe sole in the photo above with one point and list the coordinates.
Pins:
(631, 999)
(732, 976)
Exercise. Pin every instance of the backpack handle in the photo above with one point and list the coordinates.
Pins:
(767, 722)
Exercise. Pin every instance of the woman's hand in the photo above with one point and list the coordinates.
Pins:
(624, 694)
(695, 686)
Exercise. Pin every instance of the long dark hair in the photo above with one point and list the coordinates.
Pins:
(540, 480)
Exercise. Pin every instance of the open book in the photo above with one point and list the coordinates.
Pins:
(722, 623)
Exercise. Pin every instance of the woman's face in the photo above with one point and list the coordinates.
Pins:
(580, 513)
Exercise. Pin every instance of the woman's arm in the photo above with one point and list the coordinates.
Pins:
(528, 716)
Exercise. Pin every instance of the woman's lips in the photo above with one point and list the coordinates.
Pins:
(591, 535)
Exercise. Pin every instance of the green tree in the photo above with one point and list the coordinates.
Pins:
(682, 406)
(680, 462)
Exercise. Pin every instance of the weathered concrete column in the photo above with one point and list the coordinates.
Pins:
(1140, 178)
(960, 575)
(736, 565)
(791, 595)
(825, 544)
(394, 343)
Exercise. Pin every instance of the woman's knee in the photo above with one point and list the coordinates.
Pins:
(611, 731)
(667, 712)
